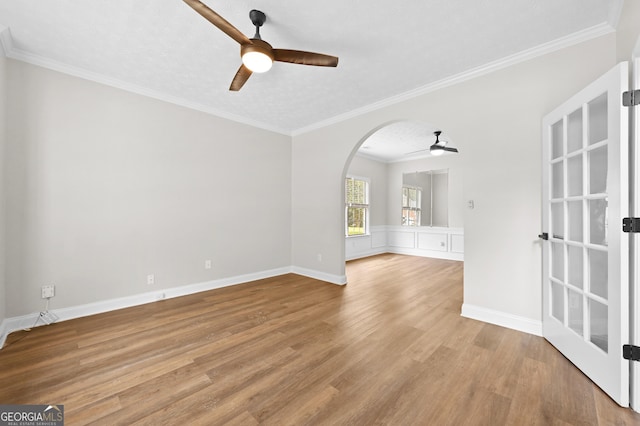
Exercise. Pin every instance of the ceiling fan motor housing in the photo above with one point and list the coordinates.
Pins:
(257, 45)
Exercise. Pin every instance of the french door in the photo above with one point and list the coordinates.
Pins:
(586, 258)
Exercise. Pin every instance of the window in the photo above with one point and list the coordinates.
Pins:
(411, 202)
(357, 206)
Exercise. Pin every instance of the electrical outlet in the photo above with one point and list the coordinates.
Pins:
(319, 257)
(151, 279)
(48, 291)
(207, 264)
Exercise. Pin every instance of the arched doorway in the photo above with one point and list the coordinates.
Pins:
(377, 165)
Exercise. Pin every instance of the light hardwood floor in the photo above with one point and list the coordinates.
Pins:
(388, 348)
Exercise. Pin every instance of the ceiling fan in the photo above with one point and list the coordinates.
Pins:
(438, 147)
(258, 55)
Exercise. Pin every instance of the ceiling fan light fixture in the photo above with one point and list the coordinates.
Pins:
(257, 56)
(436, 150)
(257, 61)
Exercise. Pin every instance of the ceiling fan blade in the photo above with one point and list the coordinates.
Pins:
(241, 77)
(304, 58)
(446, 148)
(415, 152)
(218, 21)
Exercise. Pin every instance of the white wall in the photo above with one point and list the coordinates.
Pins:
(105, 187)
(495, 121)
(628, 31)
(3, 127)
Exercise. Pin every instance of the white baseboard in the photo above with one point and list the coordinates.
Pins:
(9, 325)
(319, 275)
(502, 319)
(368, 253)
(446, 255)
(3, 332)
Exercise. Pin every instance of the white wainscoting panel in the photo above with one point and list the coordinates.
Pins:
(440, 243)
(401, 239)
(366, 245)
(379, 238)
(428, 241)
(457, 243)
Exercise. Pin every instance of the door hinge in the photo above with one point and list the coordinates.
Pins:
(631, 224)
(631, 98)
(631, 352)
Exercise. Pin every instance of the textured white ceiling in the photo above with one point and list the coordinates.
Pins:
(386, 49)
(401, 141)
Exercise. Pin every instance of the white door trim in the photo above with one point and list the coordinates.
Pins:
(634, 240)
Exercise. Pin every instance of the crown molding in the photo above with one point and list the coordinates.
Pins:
(12, 52)
(534, 52)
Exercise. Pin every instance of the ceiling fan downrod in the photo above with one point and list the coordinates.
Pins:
(258, 18)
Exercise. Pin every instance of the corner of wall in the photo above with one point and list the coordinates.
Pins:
(5, 40)
(4, 332)
(628, 31)
(3, 136)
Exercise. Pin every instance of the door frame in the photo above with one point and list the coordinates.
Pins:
(634, 239)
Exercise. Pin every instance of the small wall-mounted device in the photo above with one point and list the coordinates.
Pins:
(470, 204)
(48, 291)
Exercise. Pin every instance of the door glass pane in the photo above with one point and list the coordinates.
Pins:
(556, 140)
(574, 131)
(557, 220)
(598, 222)
(575, 220)
(575, 265)
(557, 181)
(598, 119)
(557, 261)
(598, 272)
(599, 325)
(598, 170)
(557, 301)
(575, 311)
(574, 175)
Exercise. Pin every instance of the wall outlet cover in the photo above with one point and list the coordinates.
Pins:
(48, 291)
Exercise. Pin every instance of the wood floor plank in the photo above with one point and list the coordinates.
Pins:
(388, 348)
